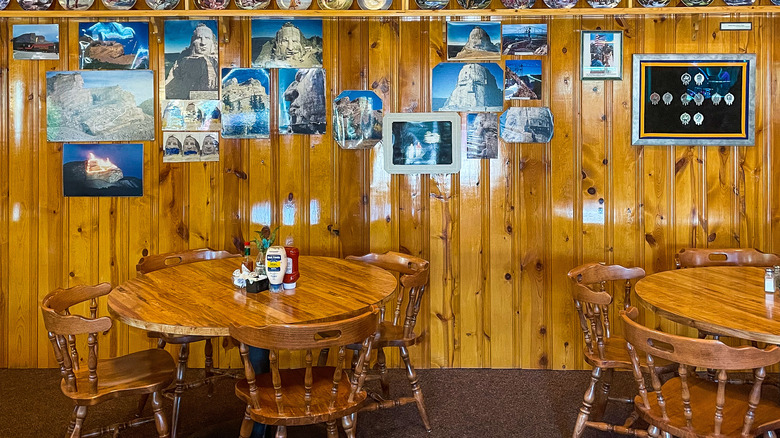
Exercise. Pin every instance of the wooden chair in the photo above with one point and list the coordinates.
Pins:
(143, 372)
(160, 261)
(314, 394)
(698, 257)
(689, 406)
(414, 273)
(603, 352)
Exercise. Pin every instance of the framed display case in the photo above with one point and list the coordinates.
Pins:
(422, 142)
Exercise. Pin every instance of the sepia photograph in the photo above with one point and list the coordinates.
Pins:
(418, 143)
(36, 41)
(286, 43)
(357, 119)
(302, 101)
(190, 147)
(103, 169)
(246, 104)
(473, 40)
(481, 135)
(475, 87)
(113, 45)
(109, 105)
(191, 115)
(524, 39)
(523, 79)
(191, 60)
(526, 125)
(601, 54)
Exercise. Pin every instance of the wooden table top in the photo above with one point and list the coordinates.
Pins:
(200, 298)
(725, 300)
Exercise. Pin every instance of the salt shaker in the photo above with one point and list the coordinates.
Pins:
(777, 276)
(769, 281)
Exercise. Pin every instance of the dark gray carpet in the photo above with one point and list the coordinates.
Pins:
(461, 403)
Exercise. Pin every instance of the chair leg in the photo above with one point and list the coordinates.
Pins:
(81, 413)
(159, 416)
(323, 359)
(602, 397)
(383, 377)
(653, 431)
(587, 403)
(141, 405)
(184, 353)
(355, 356)
(209, 365)
(414, 381)
(333, 430)
(72, 423)
(246, 425)
(348, 422)
(281, 431)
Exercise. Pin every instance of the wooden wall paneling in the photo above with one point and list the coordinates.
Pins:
(771, 55)
(5, 50)
(562, 330)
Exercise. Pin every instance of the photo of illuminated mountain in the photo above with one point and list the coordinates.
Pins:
(103, 169)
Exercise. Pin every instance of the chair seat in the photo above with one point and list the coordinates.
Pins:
(177, 339)
(294, 412)
(143, 372)
(615, 355)
(703, 396)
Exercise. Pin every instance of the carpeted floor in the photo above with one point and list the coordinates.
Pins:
(461, 403)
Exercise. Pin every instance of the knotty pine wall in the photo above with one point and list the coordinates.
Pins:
(500, 235)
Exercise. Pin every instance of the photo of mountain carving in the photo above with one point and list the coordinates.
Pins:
(245, 103)
(479, 40)
(100, 105)
(113, 46)
(285, 43)
(474, 87)
(103, 169)
(357, 119)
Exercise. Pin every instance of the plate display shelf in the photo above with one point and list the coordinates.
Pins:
(399, 9)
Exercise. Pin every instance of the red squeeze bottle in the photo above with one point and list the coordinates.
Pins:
(291, 275)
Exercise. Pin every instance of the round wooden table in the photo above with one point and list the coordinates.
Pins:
(725, 300)
(200, 298)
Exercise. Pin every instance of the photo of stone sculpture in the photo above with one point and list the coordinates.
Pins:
(36, 41)
(526, 125)
(302, 101)
(113, 46)
(191, 60)
(103, 169)
(182, 147)
(246, 103)
(467, 87)
(523, 79)
(524, 39)
(109, 105)
(480, 40)
(118, 5)
(282, 43)
(76, 5)
(35, 5)
(191, 115)
(357, 119)
(482, 135)
(422, 143)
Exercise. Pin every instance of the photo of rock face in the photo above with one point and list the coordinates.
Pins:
(357, 119)
(481, 135)
(191, 60)
(281, 43)
(245, 102)
(36, 41)
(467, 87)
(523, 79)
(100, 105)
(113, 46)
(180, 147)
(524, 39)
(103, 169)
(526, 125)
(118, 5)
(302, 101)
(191, 115)
(473, 40)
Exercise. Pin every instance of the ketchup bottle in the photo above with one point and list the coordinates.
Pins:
(291, 275)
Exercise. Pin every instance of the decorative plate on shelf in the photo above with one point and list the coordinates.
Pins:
(474, 4)
(118, 5)
(601, 4)
(76, 5)
(739, 2)
(375, 5)
(653, 3)
(693, 3)
(518, 4)
(212, 4)
(293, 5)
(560, 4)
(253, 4)
(4, 4)
(35, 5)
(431, 4)
(162, 4)
(336, 5)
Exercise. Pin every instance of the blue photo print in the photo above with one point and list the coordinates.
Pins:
(474, 87)
(524, 39)
(523, 79)
(113, 46)
(477, 40)
(302, 101)
(286, 43)
(191, 60)
(357, 119)
(36, 41)
(245, 103)
(103, 169)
